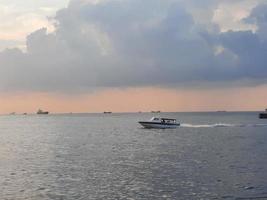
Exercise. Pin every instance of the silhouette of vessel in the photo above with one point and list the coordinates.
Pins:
(155, 111)
(40, 112)
(263, 115)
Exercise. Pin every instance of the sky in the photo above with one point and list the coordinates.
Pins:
(133, 55)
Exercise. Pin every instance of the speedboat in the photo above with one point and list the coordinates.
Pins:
(156, 122)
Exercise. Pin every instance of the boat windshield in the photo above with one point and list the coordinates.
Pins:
(155, 119)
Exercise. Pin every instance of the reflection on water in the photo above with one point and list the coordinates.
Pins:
(96, 156)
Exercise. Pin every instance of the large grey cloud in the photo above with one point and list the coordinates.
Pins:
(250, 48)
(133, 43)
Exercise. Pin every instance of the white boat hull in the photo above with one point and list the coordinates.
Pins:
(158, 125)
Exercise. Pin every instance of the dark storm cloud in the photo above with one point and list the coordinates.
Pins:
(132, 43)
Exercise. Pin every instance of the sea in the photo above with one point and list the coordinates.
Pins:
(212, 155)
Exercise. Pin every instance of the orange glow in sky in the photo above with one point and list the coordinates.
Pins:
(139, 99)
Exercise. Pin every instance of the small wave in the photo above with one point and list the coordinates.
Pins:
(256, 125)
(220, 125)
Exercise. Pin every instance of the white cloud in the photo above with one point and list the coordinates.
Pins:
(20, 18)
(229, 15)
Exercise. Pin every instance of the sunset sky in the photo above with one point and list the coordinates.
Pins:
(132, 55)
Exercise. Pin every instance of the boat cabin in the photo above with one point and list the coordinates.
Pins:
(163, 120)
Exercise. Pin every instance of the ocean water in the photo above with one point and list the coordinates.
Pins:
(110, 156)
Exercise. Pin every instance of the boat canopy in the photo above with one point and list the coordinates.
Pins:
(169, 119)
(162, 119)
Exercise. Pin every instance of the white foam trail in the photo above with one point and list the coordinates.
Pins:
(220, 125)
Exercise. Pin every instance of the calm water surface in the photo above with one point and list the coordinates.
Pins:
(97, 156)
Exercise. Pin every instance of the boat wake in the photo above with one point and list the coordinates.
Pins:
(217, 125)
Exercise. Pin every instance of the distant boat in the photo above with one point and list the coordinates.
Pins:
(24, 113)
(12, 113)
(161, 123)
(157, 111)
(40, 112)
(263, 115)
(107, 112)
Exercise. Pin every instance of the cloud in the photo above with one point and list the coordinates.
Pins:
(132, 43)
(259, 17)
(18, 19)
(250, 47)
(229, 15)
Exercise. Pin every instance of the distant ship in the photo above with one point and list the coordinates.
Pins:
(263, 115)
(40, 112)
(157, 111)
(107, 112)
